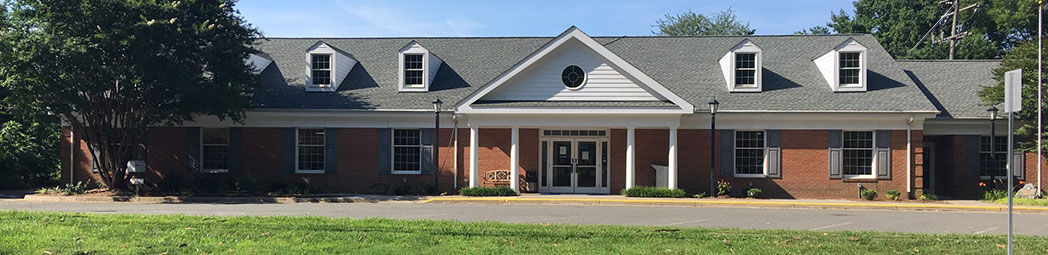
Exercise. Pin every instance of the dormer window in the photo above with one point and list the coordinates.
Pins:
(413, 72)
(326, 67)
(321, 70)
(844, 67)
(742, 67)
(745, 69)
(849, 67)
(418, 67)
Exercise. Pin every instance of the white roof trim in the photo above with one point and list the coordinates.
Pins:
(464, 106)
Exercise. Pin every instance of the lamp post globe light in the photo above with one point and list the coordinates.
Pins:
(437, 106)
(713, 141)
(993, 136)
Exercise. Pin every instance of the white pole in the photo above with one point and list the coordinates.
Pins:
(671, 162)
(1040, 24)
(1011, 175)
(514, 159)
(629, 157)
(473, 172)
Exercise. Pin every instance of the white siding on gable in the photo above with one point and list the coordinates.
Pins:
(542, 81)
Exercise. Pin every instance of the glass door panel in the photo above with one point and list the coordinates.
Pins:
(586, 166)
(562, 167)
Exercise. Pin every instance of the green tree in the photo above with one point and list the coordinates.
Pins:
(816, 30)
(691, 23)
(992, 27)
(1023, 56)
(112, 68)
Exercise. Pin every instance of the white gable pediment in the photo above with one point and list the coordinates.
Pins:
(608, 78)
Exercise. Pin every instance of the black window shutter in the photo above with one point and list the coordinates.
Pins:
(884, 152)
(972, 149)
(330, 150)
(288, 149)
(384, 151)
(774, 153)
(193, 149)
(1019, 164)
(835, 145)
(236, 140)
(727, 152)
(427, 150)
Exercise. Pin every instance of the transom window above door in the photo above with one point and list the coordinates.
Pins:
(574, 133)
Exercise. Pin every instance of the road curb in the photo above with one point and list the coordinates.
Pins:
(222, 200)
(728, 203)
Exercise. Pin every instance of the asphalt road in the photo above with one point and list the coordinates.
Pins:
(673, 216)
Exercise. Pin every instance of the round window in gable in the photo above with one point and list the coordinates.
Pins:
(573, 76)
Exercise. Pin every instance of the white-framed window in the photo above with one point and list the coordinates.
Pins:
(407, 151)
(214, 150)
(310, 151)
(745, 69)
(413, 69)
(750, 148)
(320, 70)
(850, 68)
(857, 154)
(989, 166)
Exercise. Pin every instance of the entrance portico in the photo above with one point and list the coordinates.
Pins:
(576, 153)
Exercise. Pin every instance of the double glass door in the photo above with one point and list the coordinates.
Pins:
(575, 165)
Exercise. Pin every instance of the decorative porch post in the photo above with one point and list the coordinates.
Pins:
(629, 157)
(671, 171)
(514, 160)
(473, 157)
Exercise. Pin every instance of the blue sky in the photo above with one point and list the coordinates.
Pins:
(346, 18)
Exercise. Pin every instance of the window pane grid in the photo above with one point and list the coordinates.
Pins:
(988, 165)
(311, 149)
(849, 68)
(749, 152)
(857, 153)
(214, 148)
(407, 150)
(321, 69)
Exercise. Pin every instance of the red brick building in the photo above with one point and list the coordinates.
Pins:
(797, 116)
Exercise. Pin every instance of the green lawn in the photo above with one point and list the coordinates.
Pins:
(1024, 201)
(68, 233)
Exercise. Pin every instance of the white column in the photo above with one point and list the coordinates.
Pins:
(671, 162)
(629, 157)
(514, 160)
(473, 172)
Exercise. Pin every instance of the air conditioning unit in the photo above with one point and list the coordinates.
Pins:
(136, 166)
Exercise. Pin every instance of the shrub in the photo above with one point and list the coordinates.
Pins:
(994, 194)
(892, 195)
(487, 191)
(700, 195)
(652, 192)
(402, 189)
(66, 189)
(868, 194)
(928, 197)
(723, 188)
(753, 193)
(429, 190)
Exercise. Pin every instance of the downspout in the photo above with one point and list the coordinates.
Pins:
(72, 154)
(455, 143)
(909, 156)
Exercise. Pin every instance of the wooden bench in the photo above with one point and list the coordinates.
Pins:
(498, 177)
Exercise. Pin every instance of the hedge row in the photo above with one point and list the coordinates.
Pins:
(487, 191)
(652, 192)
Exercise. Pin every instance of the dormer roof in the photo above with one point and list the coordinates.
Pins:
(341, 63)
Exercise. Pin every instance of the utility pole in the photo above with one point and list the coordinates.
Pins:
(953, 28)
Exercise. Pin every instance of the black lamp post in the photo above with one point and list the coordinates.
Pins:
(993, 136)
(713, 143)
(436, 144)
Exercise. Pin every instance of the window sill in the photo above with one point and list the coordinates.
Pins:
(750, 176)
(860, 178)
(408, 172)
(215, 171)
(309, 171)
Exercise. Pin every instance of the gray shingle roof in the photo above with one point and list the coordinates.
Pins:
(687, 66)
(952, 85)
(639, 104)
